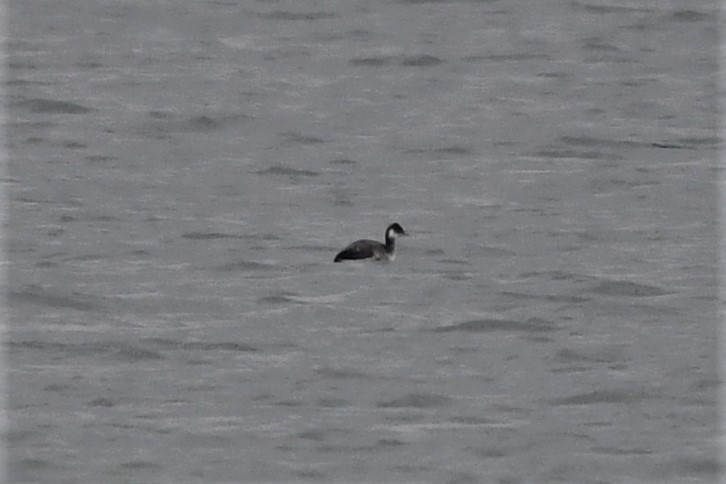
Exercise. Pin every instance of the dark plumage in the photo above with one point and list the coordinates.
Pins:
(367, 249)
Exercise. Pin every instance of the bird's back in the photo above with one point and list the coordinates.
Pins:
(361, 249)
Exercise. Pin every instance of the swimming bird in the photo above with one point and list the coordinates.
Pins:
(366, 249)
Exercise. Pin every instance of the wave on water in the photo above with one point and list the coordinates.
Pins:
(51, 106)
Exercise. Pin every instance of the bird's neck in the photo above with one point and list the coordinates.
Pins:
(390, 244)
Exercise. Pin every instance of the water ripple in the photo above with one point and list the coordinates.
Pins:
(416, 400)
(287, 171)
(50, 106)
(628, 289)
(491, 325)
(621, 396)
(38, 296)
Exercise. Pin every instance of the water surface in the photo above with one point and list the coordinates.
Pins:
(182, 174)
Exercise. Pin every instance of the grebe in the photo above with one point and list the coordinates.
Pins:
(366, 249)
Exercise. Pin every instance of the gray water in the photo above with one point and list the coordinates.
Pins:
(181, 175)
